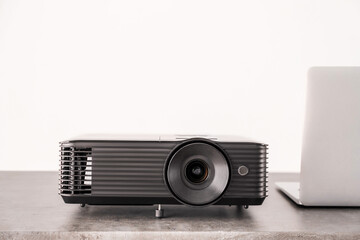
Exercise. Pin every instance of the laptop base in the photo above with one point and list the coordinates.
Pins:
(291, 189)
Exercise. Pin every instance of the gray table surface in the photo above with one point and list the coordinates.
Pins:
(30, 208)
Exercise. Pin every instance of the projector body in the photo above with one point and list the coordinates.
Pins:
(148, 170)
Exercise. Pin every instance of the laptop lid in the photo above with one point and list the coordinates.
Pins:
(330, 162)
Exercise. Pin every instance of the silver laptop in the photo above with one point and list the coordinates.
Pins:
(330, 161)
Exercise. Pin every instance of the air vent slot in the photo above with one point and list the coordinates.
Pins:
(75, 171)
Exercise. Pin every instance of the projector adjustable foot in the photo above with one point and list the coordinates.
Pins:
(246, 206)
(82, 205)
(159, 213)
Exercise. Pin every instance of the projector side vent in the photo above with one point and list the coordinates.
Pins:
(75, 171)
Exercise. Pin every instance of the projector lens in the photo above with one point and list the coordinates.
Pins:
(196, 171)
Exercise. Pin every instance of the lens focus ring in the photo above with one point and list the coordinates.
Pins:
(198, 173)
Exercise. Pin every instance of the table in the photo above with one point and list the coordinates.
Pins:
(30, 208)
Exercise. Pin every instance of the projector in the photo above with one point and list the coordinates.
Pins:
(195, 170)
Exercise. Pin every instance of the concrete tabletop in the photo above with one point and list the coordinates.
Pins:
(30, 208)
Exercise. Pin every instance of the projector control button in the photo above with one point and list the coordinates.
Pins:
(243, 170)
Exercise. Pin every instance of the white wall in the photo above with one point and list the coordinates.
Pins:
(219, 67)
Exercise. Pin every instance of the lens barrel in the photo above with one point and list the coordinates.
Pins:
(197, 173)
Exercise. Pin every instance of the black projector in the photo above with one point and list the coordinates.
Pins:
(149, 170)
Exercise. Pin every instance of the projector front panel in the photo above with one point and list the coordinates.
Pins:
(132, 172)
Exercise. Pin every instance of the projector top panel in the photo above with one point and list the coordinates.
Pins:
(157, 138)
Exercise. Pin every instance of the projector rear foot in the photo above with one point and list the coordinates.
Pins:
(82, 205)
(159, 213)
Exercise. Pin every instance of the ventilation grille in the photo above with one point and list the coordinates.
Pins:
(254, 157)
(75, 171)
(132, 169)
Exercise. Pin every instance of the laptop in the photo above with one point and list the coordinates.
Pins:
(330, 161)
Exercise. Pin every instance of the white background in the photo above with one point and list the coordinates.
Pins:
(193, 67)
